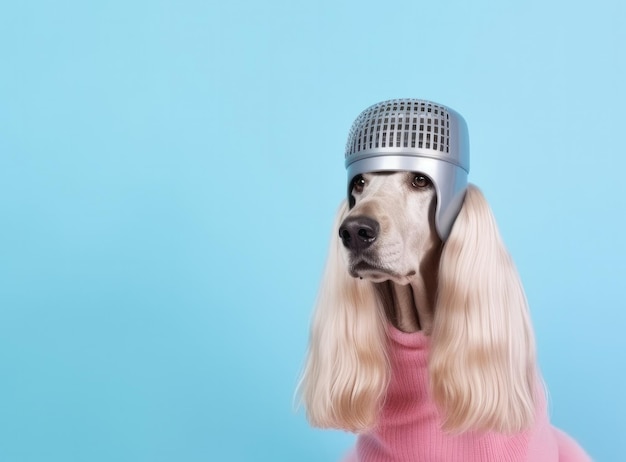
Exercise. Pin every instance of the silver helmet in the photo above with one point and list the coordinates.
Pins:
(419, 136)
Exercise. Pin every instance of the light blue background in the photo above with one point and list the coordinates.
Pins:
(169, 171)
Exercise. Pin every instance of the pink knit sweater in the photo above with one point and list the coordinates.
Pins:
(409, 426)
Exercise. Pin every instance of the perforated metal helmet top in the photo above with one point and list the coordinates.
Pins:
(419, 136)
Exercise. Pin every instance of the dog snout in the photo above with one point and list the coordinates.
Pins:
(358, 233)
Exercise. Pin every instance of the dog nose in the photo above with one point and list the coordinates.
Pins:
(358, 233)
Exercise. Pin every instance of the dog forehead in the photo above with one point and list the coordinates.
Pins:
(390, 180)
(396, 187)
(393, 177)
(386, 183)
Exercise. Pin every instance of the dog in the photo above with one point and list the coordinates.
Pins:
(424, 346)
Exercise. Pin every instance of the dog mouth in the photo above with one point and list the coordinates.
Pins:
(375, 272)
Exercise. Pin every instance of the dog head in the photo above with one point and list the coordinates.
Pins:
(390, 229)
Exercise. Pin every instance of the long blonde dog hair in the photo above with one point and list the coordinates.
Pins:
(482, 358)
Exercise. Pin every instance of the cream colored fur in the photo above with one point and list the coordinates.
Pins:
(482, 362)
(347, 370)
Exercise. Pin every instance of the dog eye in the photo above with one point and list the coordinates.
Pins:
(420, 181)
(358, 183)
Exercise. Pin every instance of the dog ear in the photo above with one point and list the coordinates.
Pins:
(347, 370)
(482, 363)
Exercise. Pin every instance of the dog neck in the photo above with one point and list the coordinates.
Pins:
(411, 307)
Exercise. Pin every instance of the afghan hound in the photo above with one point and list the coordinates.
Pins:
(389, 274)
